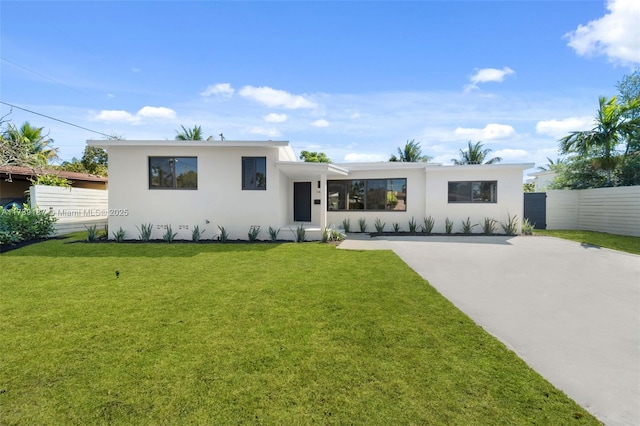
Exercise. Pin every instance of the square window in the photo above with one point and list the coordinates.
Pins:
(254, 173)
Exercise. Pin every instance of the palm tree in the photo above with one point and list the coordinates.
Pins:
(475, 155)
(194, 134)
(552, 165)
(37, 145)
(613, 125)
(412, 153)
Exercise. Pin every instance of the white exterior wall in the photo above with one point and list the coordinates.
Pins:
(612, 210)
(510, 200)
(75, 208)
(415, 201)
(219, 198)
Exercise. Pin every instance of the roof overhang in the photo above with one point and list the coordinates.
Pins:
(106, 143)
(299, 169)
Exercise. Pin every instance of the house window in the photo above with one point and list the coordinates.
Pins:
(173, 173)
(254, 173)
(367, 194)
(483, 191)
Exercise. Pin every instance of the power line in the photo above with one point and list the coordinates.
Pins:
(56, 119)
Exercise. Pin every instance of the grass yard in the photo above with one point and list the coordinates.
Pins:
(248, 334)
(600, 239)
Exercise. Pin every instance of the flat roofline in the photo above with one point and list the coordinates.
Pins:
(171, 143)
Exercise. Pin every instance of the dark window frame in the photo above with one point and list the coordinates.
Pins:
(175, 178)
(475, 192)
(353, 195)
(254, 184)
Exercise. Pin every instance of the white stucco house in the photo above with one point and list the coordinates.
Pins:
(240, 184)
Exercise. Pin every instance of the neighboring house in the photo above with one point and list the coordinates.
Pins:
(14, 181)
(542, 179)
(240, 184)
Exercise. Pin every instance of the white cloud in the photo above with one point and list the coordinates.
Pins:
(355, 116)
(126, 117)
(616, 34)
(222, 89)
(355, 157)
(265, 132)
(511, 155)
(277, 98)
(561, 128)
(320, 123)
(110, 95)
(275, 118)
(487, 75)
(156, 112)
(490, 132)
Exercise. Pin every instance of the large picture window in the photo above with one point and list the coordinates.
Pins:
(173, 173)
(367, 194)
(254, 173)
(483, 191)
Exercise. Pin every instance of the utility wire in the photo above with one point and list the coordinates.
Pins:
(56, 119)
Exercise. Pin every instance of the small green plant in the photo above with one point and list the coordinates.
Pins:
(346, 225)
(196, 233)
(254, 230)
(52, 180)
(224, 236)
(379, 225)
(413, 225)
(119, 235)
(362, 222)
(527, 227)
(144, 231)
(336, 235)
(325, 235)
(467, 227)
(301, 234)
(92, 233)
(428, 224)
(169, 235)
(511, 227)
(396, 227)
(448, 226)
(273, 234)
(489, 226)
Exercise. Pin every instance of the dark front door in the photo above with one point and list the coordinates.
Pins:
(535, 209)
(302, 201)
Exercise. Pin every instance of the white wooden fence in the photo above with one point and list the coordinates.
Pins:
(612, 210)
(75, 208)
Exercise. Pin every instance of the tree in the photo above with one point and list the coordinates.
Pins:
(475, 155)
(551, 166)
(600, 145)
(194, 134)
(314, 157)
(412, 153)
(94, 161)
(629, 90)
(38, 146)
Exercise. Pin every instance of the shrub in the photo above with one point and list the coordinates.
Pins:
(273, 234)
(448, 226)
(396, 227)
(223, 237)
(26, 224)
(254, 230)
(301, 234)
(467, 227)
(331, 235)
(145, 231)
(428, 224)
(92, 232)
(169, 235)
(489, 226)
(52, 180)
(346, 225)
(196, 234)
(511, 227)
(362, 222)
(379, 225)
(527, 227)
(413, 225)
(119, 235)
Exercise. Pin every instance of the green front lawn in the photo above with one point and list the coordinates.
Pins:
(251, 334)
(600, 239)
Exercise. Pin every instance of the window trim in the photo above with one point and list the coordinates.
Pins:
(175, 159)
(471, 199)
(242, 172)
(348, 182)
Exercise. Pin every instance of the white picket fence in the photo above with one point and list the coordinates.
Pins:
(612, 210)
(75, 208)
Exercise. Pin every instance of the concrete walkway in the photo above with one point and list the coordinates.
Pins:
(571, 311)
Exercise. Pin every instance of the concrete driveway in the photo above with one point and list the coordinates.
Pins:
(571, 311)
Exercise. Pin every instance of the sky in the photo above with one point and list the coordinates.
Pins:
(353, 79)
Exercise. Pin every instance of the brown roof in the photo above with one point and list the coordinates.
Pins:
(33, 172)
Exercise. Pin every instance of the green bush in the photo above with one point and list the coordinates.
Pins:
(26, 224)
(428, 224)
(379, 225)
